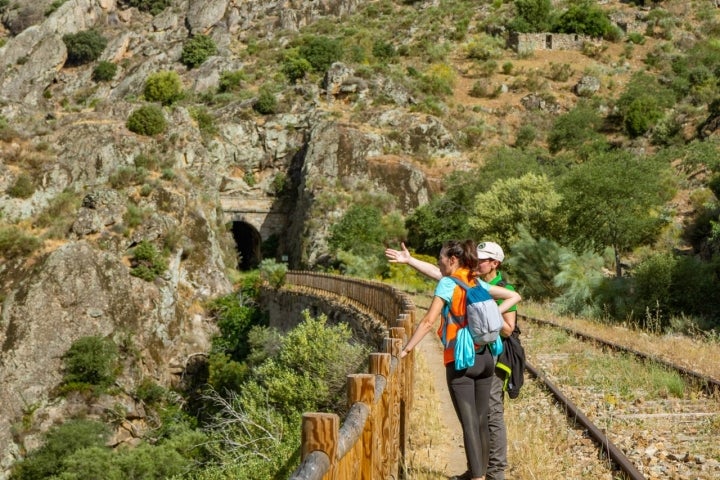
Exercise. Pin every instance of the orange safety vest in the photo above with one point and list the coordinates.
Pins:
(453, 316)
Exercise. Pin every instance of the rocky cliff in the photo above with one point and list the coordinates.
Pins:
(79, 191)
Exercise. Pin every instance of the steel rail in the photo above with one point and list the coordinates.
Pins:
(603, 442)
(708, 384)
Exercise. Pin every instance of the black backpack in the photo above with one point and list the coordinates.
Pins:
(512, 360)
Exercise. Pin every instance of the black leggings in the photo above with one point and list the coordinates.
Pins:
(470, 394)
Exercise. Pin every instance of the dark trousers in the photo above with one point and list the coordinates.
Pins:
(470, 394)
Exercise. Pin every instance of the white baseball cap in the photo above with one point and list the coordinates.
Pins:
(490, 250)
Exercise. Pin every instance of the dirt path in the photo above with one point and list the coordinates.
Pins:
(442, 454)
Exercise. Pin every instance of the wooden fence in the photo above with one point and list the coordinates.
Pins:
(370, 444)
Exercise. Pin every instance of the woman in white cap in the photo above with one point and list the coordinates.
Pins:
(490, 257)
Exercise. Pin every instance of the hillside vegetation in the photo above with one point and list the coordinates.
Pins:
(123, 123)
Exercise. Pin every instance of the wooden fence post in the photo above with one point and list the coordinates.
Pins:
(320, 432)
(394, 346)
(361, 388)
(403, 393)
(380, 364)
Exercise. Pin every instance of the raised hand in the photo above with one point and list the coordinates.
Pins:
(398, 256)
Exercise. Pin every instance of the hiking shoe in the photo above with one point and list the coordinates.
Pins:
(463, 476)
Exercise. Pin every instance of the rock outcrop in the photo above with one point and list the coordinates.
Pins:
(67, 133)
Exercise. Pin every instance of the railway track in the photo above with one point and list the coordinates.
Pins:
(661, 426)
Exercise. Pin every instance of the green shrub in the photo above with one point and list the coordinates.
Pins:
(104, 71)
(321, 52)
(560, 72)
(164, 87)
(152, 6)
(280, 184)
(266, 102)
(652, 290)
(147, 262)
(485, 47)
(584, 18)
(14, 242)
(305, 370)
(295, 68)
(235, 315)
(383, 50)
(273, 272)
(90, 361)
(360, 230)
(205, 121)
(147, 120)
(526, 135)
(231, 81)
(60, 442)
(636, 37)
(54, 6)
(439, 79)
(196, 50)
(150, 392)
(134, 215)
(59, 215)
(84, 47)
(641, 114)
(532, 16)
(126, 176)
(23, 187)
(484, 89)
(576, 129)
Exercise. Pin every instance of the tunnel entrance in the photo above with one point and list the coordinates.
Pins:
(247, 243)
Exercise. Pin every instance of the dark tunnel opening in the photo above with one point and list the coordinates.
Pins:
(247, 243)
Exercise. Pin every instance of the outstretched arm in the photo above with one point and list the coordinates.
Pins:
(403, 256)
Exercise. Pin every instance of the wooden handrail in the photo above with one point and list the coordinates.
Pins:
(371, 442)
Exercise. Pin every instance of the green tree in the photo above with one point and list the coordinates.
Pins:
(147, 262)
(147, 120)
(360, 230)
(235, 315)
(256, 431)
(534, 262)
(532, 16)
(60, 442)
(530, 200)
(152, 6)
(92, 361)
(196, 50)
(266, 103)
(295, 67)
(231, 81)
(104, 71)
(320, 51)
(164, 87)
(84, 47)
(579, 277)
(584, 17)
(614, 200)
(643, 102)
(578, 131)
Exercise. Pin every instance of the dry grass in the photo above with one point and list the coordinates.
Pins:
(693, 353)
(541, 444)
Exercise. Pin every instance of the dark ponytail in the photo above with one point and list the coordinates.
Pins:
(466, 253)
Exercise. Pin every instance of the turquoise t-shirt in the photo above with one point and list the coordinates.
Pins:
(446, 287)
